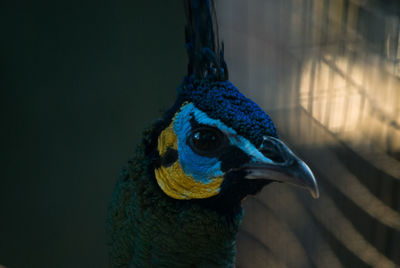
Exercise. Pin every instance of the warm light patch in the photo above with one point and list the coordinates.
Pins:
(357, 101)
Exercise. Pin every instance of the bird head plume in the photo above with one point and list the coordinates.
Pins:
(206, 57)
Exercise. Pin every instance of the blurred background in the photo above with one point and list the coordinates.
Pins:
(79, 83)
(328, 72)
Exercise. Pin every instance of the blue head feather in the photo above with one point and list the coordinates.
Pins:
(222, 100)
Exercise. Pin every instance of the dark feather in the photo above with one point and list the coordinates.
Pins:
(206, 55)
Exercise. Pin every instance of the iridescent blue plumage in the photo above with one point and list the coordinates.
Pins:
(222, 100)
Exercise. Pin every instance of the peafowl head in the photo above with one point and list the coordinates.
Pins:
(219, 146)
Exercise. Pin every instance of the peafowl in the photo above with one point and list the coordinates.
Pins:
(177, 203)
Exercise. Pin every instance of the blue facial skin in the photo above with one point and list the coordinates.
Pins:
(203, 168)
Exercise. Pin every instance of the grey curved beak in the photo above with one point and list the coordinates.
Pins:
(284, 166)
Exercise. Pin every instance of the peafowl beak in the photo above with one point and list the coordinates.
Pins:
(284, 166)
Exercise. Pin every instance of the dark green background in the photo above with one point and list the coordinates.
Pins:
(79, 83)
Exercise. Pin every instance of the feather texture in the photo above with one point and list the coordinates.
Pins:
(206, 55)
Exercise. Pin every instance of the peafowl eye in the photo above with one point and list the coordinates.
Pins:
(178, 202)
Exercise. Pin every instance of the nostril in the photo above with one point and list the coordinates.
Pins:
(272, 154)
(273, 149)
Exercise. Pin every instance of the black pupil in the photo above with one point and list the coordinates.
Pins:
(206, 140)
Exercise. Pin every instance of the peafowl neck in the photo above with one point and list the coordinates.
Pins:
(148, 228)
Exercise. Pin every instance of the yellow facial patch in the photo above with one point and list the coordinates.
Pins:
(174, 181)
